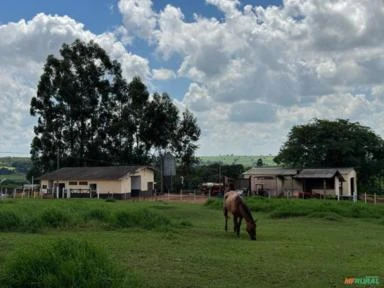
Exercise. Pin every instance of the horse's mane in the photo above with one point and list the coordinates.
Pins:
(247, 212)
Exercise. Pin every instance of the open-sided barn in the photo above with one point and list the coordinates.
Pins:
(339, 182)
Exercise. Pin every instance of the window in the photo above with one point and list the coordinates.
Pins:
(44, 186)
(72, 183)
(83, 183)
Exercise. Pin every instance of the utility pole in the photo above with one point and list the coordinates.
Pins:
(161, 174)
(58, 167)
(58, 159)
(181, 188)
(219, 172)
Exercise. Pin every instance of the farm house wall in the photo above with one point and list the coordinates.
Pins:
(291, 185)
(329, 191)
(275, 186)
(147, 178)
(103, 186)
(111, 187)
(350, 177)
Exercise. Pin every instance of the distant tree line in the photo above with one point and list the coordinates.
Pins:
(89, 115)
(11, 165)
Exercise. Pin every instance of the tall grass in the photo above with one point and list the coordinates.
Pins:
(146, 219)
(40, 215)
(9, 220)
(63, 263)
(56, 218)
(332, 210)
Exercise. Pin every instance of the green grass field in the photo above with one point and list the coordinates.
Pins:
(185, 245)
(17, 177)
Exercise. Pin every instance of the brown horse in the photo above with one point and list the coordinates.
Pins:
(234, 204)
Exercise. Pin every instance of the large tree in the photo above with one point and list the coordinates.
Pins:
(76, 103)
(339, 143)
(186, 135)
(89, 115)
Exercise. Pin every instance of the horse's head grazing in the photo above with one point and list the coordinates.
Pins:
(251, 229)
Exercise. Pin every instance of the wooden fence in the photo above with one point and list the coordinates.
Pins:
(371, 198)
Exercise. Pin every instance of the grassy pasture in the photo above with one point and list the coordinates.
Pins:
(300, 243)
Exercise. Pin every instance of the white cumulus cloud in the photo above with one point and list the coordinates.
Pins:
(267, 69)
(23, 51)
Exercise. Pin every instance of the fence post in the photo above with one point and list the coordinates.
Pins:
(374, 198)
(365, 197)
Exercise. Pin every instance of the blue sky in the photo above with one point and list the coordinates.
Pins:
(100, 16)
(248, 70)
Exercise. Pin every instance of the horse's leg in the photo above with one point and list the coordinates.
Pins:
(226, 219)
(235, 224)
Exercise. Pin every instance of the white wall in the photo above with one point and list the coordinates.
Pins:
(349, 177)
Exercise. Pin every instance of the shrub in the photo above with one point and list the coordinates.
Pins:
(99, 214)
(9, 221)
(63, 263)
(214, 203)
(32, 224)
(145, 219)
(55, 218)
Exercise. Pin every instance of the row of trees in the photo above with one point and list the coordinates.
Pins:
(318, 144)
(340, 143)
(89, 115)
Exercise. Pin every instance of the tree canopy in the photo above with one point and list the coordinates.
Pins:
(339, 143)
(89, 115)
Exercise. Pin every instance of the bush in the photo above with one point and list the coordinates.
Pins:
(98, 214)
(55, 218)
(214, 203)
(145, 219)
(63, 263)
(9, 221)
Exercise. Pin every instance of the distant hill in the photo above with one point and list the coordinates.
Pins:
(16, 164)
(246, 161)
(13, 170)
